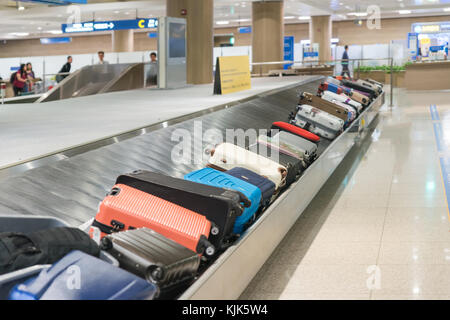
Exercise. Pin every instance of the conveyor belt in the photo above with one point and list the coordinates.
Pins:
(71, 188)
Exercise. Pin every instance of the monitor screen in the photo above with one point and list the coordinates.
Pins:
(177, 40)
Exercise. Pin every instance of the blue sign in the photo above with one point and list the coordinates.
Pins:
(153, 35)
(109, 25)
(288, 50)
(310, 54)
(245, 30)
(55, 40)
(437, 48)
(413, 45)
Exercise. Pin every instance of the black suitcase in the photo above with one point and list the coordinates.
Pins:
(293, 165)
(218, 205)
(159, 260)
(356, 86)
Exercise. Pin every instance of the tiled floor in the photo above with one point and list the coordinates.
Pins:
(380, 228)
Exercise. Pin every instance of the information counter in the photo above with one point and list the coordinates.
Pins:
(430, 75)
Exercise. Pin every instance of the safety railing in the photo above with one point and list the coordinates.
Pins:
(353, 67)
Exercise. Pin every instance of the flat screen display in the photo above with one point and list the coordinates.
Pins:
(177, 40)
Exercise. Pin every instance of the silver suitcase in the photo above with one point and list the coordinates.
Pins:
(318, 121)
(293, 145)
(328, 95)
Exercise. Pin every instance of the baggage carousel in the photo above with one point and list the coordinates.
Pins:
(70, 185)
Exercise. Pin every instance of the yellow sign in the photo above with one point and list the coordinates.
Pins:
(141, 23)
(431, 28)
(234, 73)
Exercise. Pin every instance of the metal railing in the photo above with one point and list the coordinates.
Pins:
(354, 63)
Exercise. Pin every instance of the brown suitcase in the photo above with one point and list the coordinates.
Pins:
(324, 105)
(359, 97)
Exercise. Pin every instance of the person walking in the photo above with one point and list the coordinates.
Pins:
(65, 69)
(345, 59)
(20, 80)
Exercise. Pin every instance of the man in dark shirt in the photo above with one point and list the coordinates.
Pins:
(65, 69)
(345, 58)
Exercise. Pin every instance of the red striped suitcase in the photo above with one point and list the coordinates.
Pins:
(126, 208)
(284, 126)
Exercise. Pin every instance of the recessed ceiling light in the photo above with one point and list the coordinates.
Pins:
(55, 32)
(116, 12)
(289, 17)
(404, 11)
(222, 22)
(21, 8)
(19, 34)
(358, 14)
(304, 18)
(446, 9)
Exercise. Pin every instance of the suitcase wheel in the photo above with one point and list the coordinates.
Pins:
(155, 274)
(214, 230)
(106, 244)
(210, 251)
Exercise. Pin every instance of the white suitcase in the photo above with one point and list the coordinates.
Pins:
(227, 156)
(342, 98)
(351, 111)
(318, 121)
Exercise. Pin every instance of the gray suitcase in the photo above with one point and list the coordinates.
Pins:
(293, 145)
(154, 257)
(318, 122)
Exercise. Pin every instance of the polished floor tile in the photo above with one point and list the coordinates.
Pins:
(415, 253)
(381, 229)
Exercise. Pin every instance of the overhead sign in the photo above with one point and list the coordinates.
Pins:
(245, 30)
(232, 74)
(433, 27)
(55, 40)
(109, 25)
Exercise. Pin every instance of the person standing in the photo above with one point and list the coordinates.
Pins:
(20, 80)
(31, 77)
(101, 56)
(65, 69)
(345, 59)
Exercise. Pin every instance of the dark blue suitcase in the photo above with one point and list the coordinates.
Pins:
(266, 186)
(220, 179)
(79, 276)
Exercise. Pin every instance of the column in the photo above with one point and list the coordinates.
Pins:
(199, 15)
(320, 32)
(123, 41)
(267, 34)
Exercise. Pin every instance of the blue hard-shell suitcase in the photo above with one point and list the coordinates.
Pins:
(220, 179)
(79, 276)
(266, 186)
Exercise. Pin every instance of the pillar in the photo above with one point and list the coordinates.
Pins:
(199, 15)
(123, 41)
(320, 32)
(267, 34)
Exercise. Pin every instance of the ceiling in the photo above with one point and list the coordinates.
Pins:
(39, 20)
